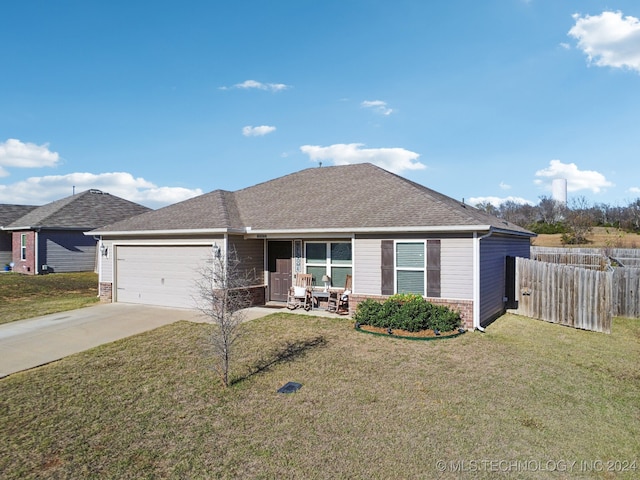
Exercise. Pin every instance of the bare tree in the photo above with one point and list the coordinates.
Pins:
(223, 292)
(580, 220)
(489, 208)
(550, 210)
(631, 217)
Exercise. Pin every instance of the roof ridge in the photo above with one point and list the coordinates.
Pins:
(81, 210)
(338, 197)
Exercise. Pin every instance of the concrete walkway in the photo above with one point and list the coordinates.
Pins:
(37, 341)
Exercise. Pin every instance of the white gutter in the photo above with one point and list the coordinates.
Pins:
(130, 233)
(347, 231)
(413, 229)
(10, 229)
(291, 231)
(476, 278)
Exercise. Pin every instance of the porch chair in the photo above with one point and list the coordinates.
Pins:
(339, 298)
(300, 294)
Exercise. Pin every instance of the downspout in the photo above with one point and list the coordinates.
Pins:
(476, 278)
(225, 246)
(99, 257)
(35, 244)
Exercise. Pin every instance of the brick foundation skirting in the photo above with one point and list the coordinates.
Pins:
(105, 292)
(464, 307)
(258, 295)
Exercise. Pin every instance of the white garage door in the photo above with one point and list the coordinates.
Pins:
(159, 275)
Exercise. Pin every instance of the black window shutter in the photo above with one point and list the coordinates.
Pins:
(433, 268)
(387, 265)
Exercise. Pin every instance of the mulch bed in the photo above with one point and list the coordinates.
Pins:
(422, 334)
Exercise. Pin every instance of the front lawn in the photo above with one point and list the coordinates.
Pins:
(26, 296)
(524, 400)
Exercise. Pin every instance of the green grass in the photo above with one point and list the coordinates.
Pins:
(151, 406)
(26, 296)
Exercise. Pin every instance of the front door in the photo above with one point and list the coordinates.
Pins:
(280, 272)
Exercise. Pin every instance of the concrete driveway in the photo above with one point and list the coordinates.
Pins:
(30, 343)
(37, 341)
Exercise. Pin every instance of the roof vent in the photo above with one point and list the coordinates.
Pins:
(96, 191)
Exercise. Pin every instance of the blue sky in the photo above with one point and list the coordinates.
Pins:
(160, 101)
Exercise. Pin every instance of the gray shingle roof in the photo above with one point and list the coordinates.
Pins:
(357, 197)
(83, 211)
(11, 213)
(205, 212)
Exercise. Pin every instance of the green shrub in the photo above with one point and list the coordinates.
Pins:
(547, 228)
(368, 312)
(407, 312)
(444, 319)
(390, 314)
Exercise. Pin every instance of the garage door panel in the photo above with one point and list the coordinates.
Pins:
(159, 275)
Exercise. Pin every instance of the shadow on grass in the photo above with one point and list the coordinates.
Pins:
(285, 353)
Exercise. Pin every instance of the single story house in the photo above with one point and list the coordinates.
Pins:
(50, 238)
(390, 234)
(9, 214)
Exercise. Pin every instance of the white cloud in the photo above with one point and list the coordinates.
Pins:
(497, 201)
(250, 131)
(377, 106)
(395, 160)
(14, 153)
(609, 39)
(505, 186)
(565, 46)
(576, 179)
(41, 190)
(252, 84)
(634, 190)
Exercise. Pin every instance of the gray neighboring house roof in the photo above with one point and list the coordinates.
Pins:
(11, 213)
(83, 211)
(348, 198)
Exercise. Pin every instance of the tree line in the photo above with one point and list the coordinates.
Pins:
(574, 220)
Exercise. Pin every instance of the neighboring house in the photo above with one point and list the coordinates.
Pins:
(9, 214)
(391, 234)
(51, 238)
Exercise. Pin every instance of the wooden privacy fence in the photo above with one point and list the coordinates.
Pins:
(591, 258)
(626, 257)
(571, 296)
(626, 271)
(626, 292)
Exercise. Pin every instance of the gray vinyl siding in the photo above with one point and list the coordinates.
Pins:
(366, 266)
(106, 275)
(456, 267)
(493, 253)
(456, 273)
(64, 251)
(251, 255)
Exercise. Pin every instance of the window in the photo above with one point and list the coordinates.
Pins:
(410, 267)
(328, 258)
(404, 269)
(23, 246)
